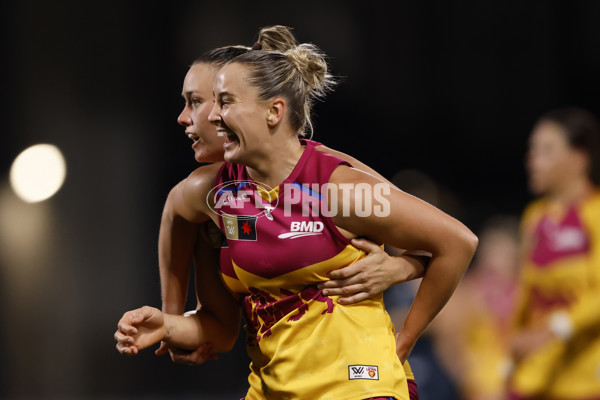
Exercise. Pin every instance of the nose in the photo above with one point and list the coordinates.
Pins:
(215, 114)
(184, 118)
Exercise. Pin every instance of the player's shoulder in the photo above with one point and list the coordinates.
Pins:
(320, 147)
(203, 176)
(347, 174)
(199, 182)
(533, 210)
(590, 209)
(593, 201)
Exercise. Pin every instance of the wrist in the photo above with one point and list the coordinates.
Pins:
(406, 338)
(561, 325)
(417, 265)
(167, 323)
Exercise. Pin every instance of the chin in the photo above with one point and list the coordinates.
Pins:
(209, 158)
(536, 188)
(231, 158)
(232, 155)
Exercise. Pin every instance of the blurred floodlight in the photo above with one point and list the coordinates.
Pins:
(38, 173)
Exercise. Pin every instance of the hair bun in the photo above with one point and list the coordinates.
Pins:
(275, 37)
(311, 65)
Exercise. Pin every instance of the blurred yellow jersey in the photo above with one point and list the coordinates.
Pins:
(561, 272)
(484, 334)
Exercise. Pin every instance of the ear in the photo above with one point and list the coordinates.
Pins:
(276, 111)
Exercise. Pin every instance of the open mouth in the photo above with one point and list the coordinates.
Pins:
(193, 137)
(229, 136)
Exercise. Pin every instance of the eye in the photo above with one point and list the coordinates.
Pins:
(196, 102)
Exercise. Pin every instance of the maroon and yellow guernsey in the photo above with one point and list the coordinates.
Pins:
(561, 273)
(282, 242)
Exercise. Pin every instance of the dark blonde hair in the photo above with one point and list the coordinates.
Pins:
(221, 56)
(280, 67)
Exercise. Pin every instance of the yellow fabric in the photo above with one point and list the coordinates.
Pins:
(486, 356)
(308, 353)
(408, 371)
(569, 370)
(234, 285)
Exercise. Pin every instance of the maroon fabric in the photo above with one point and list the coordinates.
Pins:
(412, 389)
(414, 395)
(514, 396)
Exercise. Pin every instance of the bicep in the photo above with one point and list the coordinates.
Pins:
(354, 162)
(365, 168)
(388, 215)
(190, 196)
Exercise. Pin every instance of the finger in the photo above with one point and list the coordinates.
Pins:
(123, 339)
(181, 356)
(357, 298)
(162, 349)
(127, 350)
(137, 316)
(189, 359)
(128, 317)
(203, 348)
(146, 312)
(121, 348)
(357, 279)
(348, 290)
(334, 283)
(126, 328)
(366, 245)
(347, 272)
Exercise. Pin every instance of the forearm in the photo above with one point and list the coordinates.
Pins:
(176, 241)
(189, 332)
(418, 266)
(412, 263)
(439, 283)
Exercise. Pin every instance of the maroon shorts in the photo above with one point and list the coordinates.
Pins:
(514, 396)
(412, 390)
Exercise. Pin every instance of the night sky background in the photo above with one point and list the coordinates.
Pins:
(449, 89)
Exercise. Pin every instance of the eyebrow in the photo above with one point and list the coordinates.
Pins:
(188, 93)
(222, 94)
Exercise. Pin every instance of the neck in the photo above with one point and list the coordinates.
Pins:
(572, 191)
(277, 161)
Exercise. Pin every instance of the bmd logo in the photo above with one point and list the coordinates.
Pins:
(303, 228)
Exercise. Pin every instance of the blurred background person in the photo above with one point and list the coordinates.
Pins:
(434, 382)
(471, 336)
(556, 343)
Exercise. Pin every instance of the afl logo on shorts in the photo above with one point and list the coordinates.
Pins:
(363, 372)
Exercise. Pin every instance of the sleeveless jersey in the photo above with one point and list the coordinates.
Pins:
(561, 271)
(307, 345)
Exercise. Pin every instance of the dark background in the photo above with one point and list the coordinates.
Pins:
(451, 89)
